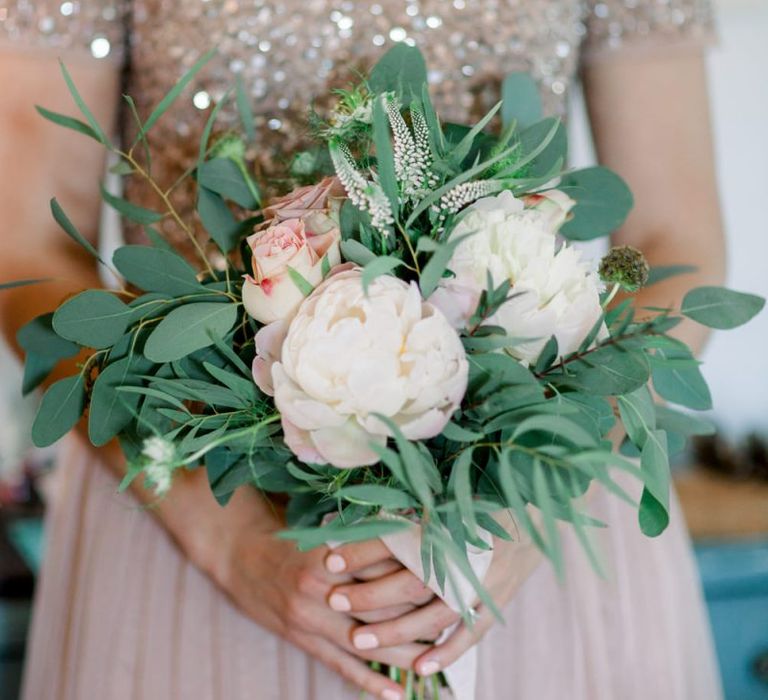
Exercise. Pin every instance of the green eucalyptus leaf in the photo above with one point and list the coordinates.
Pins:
(111, 410)
(156, 270)
(548, 355)
(607, 371)
(131, 211)
(224, 177)
(521, 100)
(638, 414)
(356, 252)
(462, 489)
(93, 318)
(309, 538)
(438, 263)
(70, 229)
(603, 202)
(68, 123)
(378, 266)
(59, 411)
(36, 370)
(22, 283)
(98, 132)
(401, 70)
(653, 516)
(685, 385)
(218, 220)
(718, 307)
(38, 337)
(457, 433)
(544, 146)
(189, 328)
(376, 495)
(683, 423)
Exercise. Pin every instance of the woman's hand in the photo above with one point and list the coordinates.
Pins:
(286, 591)
(429, 616)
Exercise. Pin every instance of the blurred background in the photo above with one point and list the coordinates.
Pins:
(722, 481)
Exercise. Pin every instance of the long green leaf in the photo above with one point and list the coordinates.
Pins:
(68, 122)
(97, 130)
(175, 91)
(23, 283)
(69, 228)
(129, 210)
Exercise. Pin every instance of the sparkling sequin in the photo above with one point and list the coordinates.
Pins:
(289, 52)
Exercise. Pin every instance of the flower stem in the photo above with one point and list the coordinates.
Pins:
(614, 291)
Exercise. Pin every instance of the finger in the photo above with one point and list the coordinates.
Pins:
(425, 623)
(464, 638)
(382, 568)
(356, 556)
(337, 628)
(372, 616)
(395, 589)
(349, 668)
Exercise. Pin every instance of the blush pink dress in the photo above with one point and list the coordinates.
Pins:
(120, 613)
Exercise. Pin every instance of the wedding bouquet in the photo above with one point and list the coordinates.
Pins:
(408, 345)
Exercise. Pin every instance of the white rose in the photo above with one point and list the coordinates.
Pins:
(347, 356)
(557, 293)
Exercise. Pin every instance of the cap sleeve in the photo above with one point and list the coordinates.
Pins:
(646, 25)
(93, 28)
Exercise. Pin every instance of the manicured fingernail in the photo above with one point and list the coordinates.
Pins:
(390, 694)
(335, 563)
(339, 602)
(429, 668)
(366, 640)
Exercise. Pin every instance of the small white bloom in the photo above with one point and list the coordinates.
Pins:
(557, 292)
(348, 356)
(160, 456)
(160, 476)
(158, 450)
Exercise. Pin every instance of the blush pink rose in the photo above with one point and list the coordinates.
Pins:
(304, 201)
(294, 244)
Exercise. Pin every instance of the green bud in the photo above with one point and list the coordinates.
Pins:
(229, 146)
(625, 266)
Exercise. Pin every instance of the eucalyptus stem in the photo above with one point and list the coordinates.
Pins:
(231, 436)
(170, 209)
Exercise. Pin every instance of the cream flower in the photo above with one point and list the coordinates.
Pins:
(347, 356)
(293, 244)
(556, 293)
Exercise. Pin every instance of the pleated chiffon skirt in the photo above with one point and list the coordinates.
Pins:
(122, 615)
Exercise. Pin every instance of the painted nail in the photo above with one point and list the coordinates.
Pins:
(339, 602)
(366, 640)
(429, 668)
(390, 694)
(335, 563)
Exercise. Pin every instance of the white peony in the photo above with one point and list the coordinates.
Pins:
(557, 292)
(346, 356)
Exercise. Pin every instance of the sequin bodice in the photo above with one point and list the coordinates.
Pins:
(292, 51)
